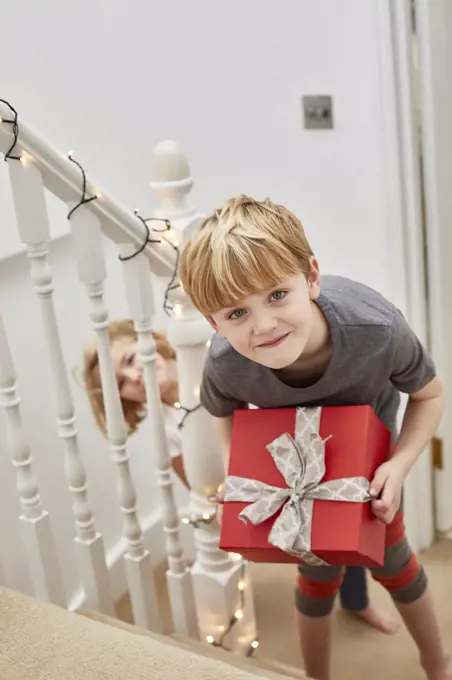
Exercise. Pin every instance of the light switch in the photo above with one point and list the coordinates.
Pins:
(318, 112)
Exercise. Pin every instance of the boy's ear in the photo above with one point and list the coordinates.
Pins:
(313, 279)
(212, 322)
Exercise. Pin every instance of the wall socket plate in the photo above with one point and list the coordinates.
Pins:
(317, 112)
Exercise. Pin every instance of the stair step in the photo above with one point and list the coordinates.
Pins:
(261, 666)
(275, 667)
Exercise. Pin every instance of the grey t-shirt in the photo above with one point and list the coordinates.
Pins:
(375, 354)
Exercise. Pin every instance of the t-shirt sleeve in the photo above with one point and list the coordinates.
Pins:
(412, 366)
(213, 395)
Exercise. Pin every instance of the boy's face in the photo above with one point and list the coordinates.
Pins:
(272, 328)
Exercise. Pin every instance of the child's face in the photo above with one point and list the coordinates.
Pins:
(272, 328)
(129, 370)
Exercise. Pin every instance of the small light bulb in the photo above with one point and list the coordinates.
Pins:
(206, 516)
(241, 585)
(98, 195)
(70, 154)
(181, 286)
(255, 644)
(176, 404)
(136, 211)
(239, 614)
(185, 520)
(1, 119)
(235, 556)
(208, 343)
(209, 639)
(197, 391)
(177, 309)
(172, 236)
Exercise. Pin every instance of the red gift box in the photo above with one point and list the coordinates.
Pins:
(342, 533)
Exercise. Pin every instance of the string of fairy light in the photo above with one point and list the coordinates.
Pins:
(238, 613)
(153, 234)
(204, 520)
(157, 234)
(12, 154)
(85, 197)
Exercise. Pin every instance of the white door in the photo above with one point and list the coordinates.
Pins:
(433, 26)
(403, 196)
(422, 68)
(416, 76)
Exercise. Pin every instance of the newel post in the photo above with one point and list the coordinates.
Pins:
(218, 577)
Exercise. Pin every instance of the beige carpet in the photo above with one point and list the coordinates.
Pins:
(40, 641)
(359, 651)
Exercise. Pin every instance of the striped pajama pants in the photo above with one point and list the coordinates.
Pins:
(401, 575)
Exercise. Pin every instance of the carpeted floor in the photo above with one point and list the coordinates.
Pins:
(359, 651)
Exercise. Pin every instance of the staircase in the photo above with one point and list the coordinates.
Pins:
(203, 596)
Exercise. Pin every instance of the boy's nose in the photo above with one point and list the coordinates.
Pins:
(265, 325)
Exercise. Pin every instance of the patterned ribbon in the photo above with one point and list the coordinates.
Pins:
(301, 461)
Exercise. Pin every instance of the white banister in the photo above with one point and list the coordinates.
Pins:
(140, 302)
(62, 178)
(35, 524)
(216, 575)
(89, 253)
(32, 220)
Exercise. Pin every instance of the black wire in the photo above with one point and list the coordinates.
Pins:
(187, 413)
(148, 239)
(233, 620)
(202, 521)
(167, 308)
(15, 125)
(84, 199)
(158, 219)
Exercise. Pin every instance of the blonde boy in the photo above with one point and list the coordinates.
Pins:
(285, 338)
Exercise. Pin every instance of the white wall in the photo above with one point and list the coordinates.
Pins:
(110, 80)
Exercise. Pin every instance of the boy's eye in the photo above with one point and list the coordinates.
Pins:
(278, 295)
(236, 314)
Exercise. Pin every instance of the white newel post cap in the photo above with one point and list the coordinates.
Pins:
(171, 179)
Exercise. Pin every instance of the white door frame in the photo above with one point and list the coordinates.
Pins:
(435, 58)
(404, 219)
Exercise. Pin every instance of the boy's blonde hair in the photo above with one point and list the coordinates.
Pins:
(243, 248)
(134, 413)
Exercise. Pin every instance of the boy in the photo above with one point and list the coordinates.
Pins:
(284, 340)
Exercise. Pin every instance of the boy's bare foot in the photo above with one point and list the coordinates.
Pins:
(380, 620)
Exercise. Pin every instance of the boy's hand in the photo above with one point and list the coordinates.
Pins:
(386, 489)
